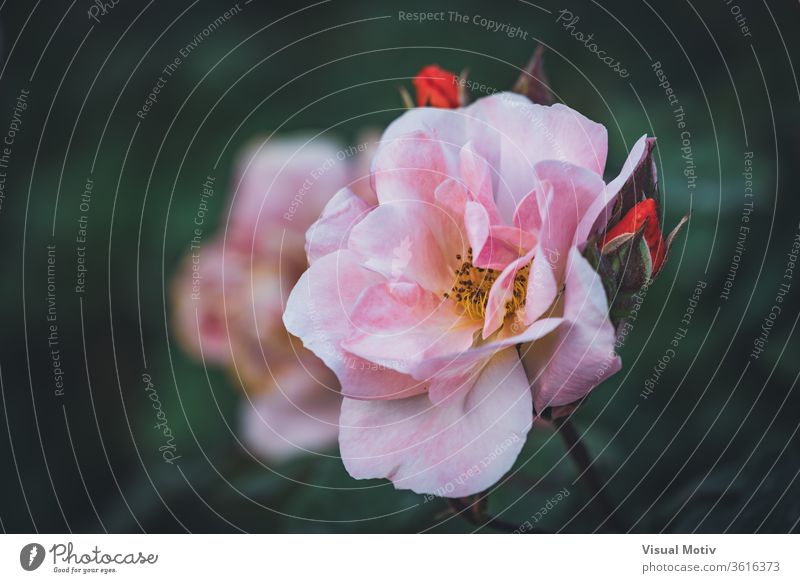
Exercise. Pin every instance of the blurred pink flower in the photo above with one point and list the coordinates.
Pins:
(461, 304)
(228, 297)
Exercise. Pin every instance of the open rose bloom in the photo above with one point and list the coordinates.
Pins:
(460, 306)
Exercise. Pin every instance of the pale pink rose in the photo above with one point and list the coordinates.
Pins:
(228, 297)
(460, 306)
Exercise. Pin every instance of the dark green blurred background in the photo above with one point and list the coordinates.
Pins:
(713, 449)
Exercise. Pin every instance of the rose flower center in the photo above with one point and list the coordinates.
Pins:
(472, 286)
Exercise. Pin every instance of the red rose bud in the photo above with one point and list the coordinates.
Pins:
(644, 213)
(437, 87)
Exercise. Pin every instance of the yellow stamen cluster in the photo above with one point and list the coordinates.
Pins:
(520, 290)
(472, 286)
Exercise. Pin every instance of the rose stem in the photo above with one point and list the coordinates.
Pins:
(482, 519)
(587, 472)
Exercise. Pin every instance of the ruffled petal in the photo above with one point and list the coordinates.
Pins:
(601, 210)
(457, 448)
(477, 177)
(402, 241)
(330, 232)
(526, 134)
(568, 192)
(399, 324)
(493, 246)
(511, 135)
(527, 216)
(579, 355)
(455, 371)
(409, 167)
(502, 292)
(319, 312)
